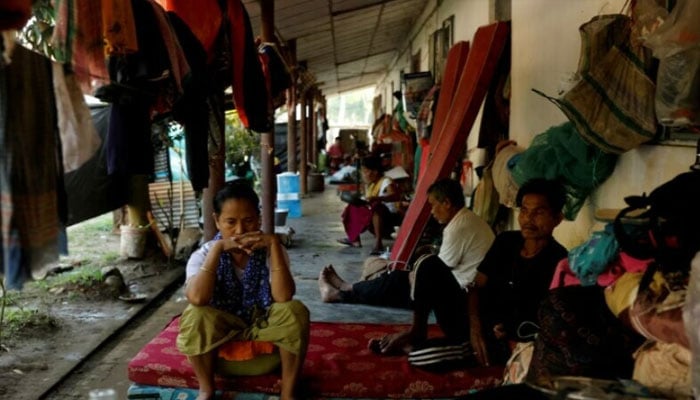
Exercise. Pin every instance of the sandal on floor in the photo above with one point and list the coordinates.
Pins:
(347, 242)
(376, 252)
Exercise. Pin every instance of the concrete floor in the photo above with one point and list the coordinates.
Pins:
(314, 246)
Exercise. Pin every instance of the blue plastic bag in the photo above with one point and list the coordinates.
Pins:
(591, 258)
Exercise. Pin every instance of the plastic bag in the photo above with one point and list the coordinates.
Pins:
(588, 260)
(676, 43)
(679, 32)
(677, 100)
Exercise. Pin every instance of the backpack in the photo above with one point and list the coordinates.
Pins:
(665, 226)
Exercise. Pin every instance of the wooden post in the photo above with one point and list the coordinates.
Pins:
(303, 188)
(314, 131)
(292, 110)
(217, 141)
(267, 139)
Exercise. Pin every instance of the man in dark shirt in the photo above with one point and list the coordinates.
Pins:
(516, 272)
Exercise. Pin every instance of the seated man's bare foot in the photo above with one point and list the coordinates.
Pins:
(329, 293)
(335, 279)
(392, 344)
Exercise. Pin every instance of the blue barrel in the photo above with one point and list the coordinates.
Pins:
(288, 193)
(288, 182)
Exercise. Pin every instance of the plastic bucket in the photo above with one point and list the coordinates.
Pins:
(133, 241)
(281, 216)
(315, 182)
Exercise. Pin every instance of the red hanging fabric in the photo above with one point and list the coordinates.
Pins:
(249, 89)
(203, 17)
(89, 47)
(119, 27)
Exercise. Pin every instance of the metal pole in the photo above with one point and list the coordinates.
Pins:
(267, 139)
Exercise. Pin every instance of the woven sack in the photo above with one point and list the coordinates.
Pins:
(612, 105)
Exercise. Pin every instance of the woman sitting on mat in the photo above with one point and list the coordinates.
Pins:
(378, 210)
(240, 288)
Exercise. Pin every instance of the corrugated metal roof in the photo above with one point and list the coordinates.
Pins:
(346, 44)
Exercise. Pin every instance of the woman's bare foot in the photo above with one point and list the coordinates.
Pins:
(329, 293)
(334, 279)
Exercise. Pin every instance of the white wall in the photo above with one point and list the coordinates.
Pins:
(546, 45)
(545, 51)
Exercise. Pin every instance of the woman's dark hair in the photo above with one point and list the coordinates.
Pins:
(448, 189)
(372, 162)
(239, 189)
(552, 190)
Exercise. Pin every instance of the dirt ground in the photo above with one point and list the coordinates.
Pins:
(52, 324)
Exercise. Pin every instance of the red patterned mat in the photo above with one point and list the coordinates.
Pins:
(338, 364)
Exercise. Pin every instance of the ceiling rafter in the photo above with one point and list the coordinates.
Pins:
(337, 37)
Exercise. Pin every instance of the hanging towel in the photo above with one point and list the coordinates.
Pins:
(79, 139)
(30, 159)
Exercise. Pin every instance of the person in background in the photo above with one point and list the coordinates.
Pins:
(515, 275)
(336, 155)
(379, 210)
(439, 281)
(240, 287)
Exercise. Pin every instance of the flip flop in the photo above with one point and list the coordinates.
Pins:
(347, 242)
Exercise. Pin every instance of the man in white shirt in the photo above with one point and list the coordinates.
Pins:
(437, 283)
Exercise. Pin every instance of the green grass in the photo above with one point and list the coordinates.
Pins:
(18, 320)
(90, 230)
(86, 276)
(109, 257)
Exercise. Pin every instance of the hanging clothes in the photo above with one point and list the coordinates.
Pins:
(249, 90)
(191, 108)
(179, 68)
(79, 139)
(139, 85)
(64, 31)
(89, 46)
(203, 18)
(29, 161)
(119, 27)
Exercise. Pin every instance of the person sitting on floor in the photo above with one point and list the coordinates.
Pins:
(440, 281)
(335, 155)
(240, 287)
(515, 275)
(379, 210)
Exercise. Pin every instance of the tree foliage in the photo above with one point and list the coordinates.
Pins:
(241, 143)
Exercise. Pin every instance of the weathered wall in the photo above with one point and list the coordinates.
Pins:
(545, 53)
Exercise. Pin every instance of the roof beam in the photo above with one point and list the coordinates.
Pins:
(359, 8)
